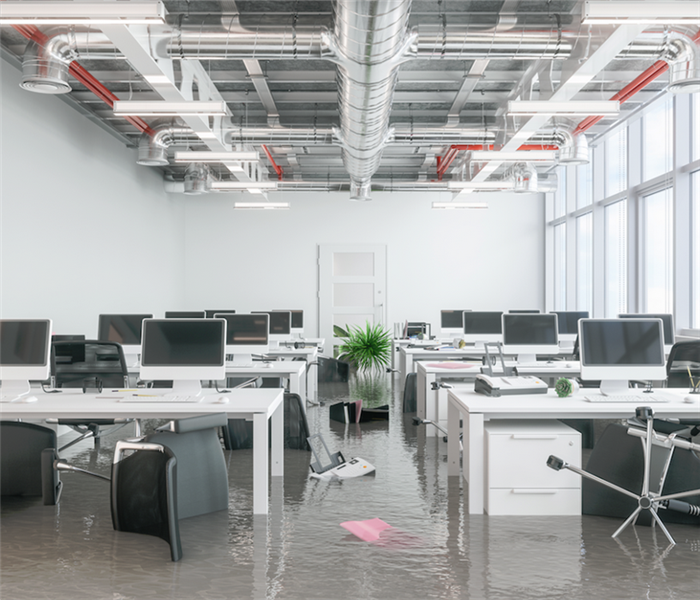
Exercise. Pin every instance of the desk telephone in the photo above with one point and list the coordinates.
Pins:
(510, 384)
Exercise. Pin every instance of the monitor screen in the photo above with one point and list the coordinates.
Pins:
(183, 342)
(666, 319)
(25, 346)
(280, 322)
(246, 330)
(451, 319)
(209, 313)
(297, 317)
(568, 321)
(184, 314)
(524, 311)
(477, 322)
(123, 329)
(529, 329)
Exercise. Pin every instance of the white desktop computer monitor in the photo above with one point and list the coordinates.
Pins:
(616, 351)
(246, 335)
(481, 326)
(666, 319)
(280, 326)
(451, 322)
(527, 335)
(125, 330)
(25, 348)
(184, 350)
(211, 313)
(297, 321)
(524, 311)
(568, 324)
(185, 314)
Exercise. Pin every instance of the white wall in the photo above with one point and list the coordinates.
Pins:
(84, 229)
(257, 260)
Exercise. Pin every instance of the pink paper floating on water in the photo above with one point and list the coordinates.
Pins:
(368, 530)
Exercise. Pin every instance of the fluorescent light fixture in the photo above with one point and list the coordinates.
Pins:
(610, 12)
(157, 79)
(233, 186)
(517, 156)
(81, 13)
(157, 108)
(573, 108)
(454, 205)
(261, 205)
(481, 185)
(215, 157)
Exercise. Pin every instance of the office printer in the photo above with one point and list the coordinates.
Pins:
(510, 383)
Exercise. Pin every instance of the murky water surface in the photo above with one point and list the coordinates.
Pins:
(299, 551)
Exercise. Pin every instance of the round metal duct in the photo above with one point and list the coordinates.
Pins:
(575, 151)
(683, 57)
(45, 71)
(525, 178)
(196, 179)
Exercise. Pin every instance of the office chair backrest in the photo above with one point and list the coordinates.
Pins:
(73, 363)
(684, 357)
(21, 445)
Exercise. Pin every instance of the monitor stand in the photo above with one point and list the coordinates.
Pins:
(186, 387)
(132, 359)
(274, 345)
(13, 389)
(525, 359)
(613, 387)
(242, 360)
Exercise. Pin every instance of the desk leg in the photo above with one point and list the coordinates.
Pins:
(453, 417)
(422, 384)
(431, 399)
(277, 426)
(312, 383)
(295, 386)
(260, 464)
(473, 462)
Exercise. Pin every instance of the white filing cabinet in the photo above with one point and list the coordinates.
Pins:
(518, 480)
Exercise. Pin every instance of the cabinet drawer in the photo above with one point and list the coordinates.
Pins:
(533, 501)
(517, 453)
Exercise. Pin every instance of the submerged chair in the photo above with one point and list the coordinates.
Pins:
(89, 364)
(619, 463)
(683, 363)
(27, 452)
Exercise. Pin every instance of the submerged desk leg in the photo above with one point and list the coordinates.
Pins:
(260, 461)
(473, 463)
(277, 423)
(453, 417)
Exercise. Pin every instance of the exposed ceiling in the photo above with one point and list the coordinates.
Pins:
(386, 92)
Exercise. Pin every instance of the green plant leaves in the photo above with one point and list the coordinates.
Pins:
(369, 347)
(339, 332)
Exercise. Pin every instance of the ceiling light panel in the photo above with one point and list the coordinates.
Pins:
(456, 205)
(572, 108)
(261, 205)
(81, 13)
(215, 157)
(480, 185)
(615, 13)
(243, 185)
(124, 108)
(517, 156)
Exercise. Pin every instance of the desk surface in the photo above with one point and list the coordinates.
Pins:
(242, 403)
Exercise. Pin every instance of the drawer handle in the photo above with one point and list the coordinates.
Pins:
(532, 436)
(532, 491)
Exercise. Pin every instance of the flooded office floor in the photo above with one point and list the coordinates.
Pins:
(299, 551)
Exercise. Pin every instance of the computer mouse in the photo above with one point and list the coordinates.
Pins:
(222, 400)
(692, 398)
(29, 399)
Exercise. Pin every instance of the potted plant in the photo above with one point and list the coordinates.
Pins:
(368, 348)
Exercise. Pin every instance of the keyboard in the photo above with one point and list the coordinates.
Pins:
(639, 399)
(159, 398)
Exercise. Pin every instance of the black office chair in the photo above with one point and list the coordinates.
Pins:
(410, 393)
(143, 492)
(332, 370)
(27, 452)
(621, 474)
(683, 362)
(88, 365)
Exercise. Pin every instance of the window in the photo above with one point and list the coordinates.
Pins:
(695, 118)
(560, 196)
(658, 252)
(616, 258)
(657, 152)
(584, 262)
(616, 162)
(560, 267)
(695, 260)
(584, 185)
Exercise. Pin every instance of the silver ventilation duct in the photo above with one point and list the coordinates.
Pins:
(45, 68)
(683, 57)
(573, 149)
(524, 177)
(196, 179)
(153, 149)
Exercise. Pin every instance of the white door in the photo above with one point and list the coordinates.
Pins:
(352, 287)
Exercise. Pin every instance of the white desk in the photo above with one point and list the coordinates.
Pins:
(293, 371)
(474, 409)
(309, 354)
(408, 356)
(397, 343)
(256, 404)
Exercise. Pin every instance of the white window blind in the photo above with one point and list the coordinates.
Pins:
(584, 262)
(616, 258)
(658, 252)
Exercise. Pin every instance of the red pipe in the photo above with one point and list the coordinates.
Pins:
(444, 162)
(275, 166)
(84, 77)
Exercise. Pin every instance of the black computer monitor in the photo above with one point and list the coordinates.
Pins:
(297, 319)
(528, 335)
(209, 313)
(183, 350)
(616, 351)
(185, 314)
(246, 335)
(123, 329)
(451, 322)
(666, 319)
(280, 326)
(25, 346)
(481, 326)
(523, 311)
(568, 323)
